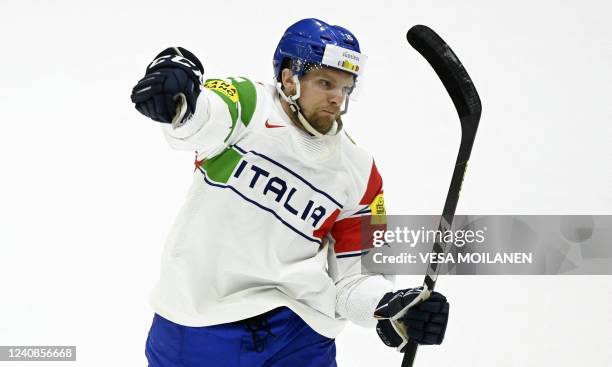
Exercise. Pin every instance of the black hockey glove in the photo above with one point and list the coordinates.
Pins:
(171, 85)
(411, 313)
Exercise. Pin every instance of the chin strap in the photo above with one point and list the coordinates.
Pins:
(295, 107)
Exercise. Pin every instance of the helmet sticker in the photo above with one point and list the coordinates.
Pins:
(343, 59)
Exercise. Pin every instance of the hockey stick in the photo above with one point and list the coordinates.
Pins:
(463, 93)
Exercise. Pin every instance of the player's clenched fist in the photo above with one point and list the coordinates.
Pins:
(412, 313)
(171, 85)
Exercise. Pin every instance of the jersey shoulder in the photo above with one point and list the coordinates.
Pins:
(357, 156)
(366, 176)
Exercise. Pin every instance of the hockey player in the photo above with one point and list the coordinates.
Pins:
(262, 265)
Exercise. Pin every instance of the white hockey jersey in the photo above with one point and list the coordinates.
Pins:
(272, 217)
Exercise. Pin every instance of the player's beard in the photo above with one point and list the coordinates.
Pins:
(321, 121)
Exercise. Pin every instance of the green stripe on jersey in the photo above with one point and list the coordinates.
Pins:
(220, 167)
(228, 93)
(239, 95)
(247, 97)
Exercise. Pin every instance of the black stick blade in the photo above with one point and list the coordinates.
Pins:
(449, 69)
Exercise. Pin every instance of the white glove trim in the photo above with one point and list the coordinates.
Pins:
(400, 328)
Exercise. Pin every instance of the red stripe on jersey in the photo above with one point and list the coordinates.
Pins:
(347, 233)
(355, 233)
(374, 186)
(327, 225)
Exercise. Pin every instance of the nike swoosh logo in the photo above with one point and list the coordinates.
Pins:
(271, 126)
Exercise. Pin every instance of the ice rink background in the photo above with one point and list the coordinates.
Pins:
(89, 189)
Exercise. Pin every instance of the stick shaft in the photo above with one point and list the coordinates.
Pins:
(461, 89)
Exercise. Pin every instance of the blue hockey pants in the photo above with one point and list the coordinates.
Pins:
(276, 338)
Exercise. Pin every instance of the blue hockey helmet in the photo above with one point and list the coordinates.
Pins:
(312, 41)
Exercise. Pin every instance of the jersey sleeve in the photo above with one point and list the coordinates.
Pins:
(224, 108)
(357, 293)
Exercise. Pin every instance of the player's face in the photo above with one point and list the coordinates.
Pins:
(322, 94)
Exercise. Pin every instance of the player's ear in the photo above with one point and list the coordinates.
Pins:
(288, 82)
